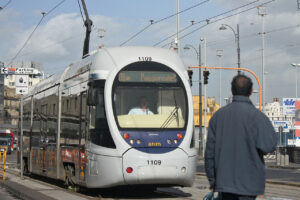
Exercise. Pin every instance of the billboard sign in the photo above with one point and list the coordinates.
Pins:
(286, 125)
(297, 119)
(289, 106)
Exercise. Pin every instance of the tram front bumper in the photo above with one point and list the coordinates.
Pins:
(172, 168)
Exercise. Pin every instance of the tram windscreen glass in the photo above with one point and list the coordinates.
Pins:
(156, 106)
(147, 76)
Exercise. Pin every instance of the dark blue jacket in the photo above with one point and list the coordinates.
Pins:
(238, 137)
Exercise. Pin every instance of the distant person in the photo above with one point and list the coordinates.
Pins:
(238, 137)
(143, 109)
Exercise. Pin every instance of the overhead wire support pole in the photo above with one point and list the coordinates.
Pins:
(243, 69)
(88, 24)
(178, 25)
(238, 47)
(262, 13)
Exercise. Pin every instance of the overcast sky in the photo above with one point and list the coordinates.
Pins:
(58, 40)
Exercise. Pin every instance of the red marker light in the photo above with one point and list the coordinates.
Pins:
(179, 136)
(126, 136)
(129, 170)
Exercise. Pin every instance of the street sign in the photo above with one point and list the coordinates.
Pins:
(21, 84)
(284, 125)
(19, 70)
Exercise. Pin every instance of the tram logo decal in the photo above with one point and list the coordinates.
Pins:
(154, 144)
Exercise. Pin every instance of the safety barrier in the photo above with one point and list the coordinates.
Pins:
(3, 162)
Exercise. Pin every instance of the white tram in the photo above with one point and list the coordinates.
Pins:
(86, 126)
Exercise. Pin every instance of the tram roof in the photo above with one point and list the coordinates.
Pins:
(108, 59)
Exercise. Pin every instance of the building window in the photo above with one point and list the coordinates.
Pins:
(11, 83)
(30, 83)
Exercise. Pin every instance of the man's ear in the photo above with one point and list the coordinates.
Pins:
(251, 92)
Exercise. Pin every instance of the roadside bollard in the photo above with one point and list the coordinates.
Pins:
(277, 157)
(282, 160)
(286, 160)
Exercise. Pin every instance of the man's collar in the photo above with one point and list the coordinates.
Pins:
(241, 98)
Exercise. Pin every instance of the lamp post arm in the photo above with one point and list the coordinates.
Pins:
(235, 35)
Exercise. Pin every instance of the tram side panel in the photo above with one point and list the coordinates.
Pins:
(73, 131)
(44, 132)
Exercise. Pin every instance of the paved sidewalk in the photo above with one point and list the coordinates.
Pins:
(35, 190)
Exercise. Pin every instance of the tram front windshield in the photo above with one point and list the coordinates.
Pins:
(159, 104)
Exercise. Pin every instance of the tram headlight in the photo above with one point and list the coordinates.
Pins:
(183, 169)
(138, 142)
(169, 141)
(175, 141)
(131, 141)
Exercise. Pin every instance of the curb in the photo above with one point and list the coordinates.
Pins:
(23, 192)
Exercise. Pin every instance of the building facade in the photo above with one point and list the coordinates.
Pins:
(274, 111)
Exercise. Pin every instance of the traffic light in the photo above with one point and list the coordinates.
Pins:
(205, 74)
(190, 73)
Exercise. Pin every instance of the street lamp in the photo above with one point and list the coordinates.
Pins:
(296, 66)
(220, 54)
(237, 39)
(198, 53)
(202, 39)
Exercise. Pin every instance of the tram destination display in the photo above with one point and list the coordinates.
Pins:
(147, 76)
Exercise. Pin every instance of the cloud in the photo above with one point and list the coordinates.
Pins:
(56, 42)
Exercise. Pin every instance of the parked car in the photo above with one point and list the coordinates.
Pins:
(5, 142)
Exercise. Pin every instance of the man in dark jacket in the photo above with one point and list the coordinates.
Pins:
(239, 135)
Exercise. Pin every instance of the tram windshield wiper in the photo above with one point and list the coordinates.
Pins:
(173, 115)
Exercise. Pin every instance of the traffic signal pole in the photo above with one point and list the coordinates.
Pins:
(242, 69)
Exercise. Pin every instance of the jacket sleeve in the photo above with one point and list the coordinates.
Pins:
(266, 139)
(210, 154)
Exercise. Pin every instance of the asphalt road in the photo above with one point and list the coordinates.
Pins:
(276, 174)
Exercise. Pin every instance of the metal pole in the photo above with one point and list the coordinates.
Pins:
(238, 47)
(178, 40)
(21, 137)
(262, 13)
(263, 63)
(219, 54)
(220, 79)
(200, 105)
(205, 103)
(297, 81)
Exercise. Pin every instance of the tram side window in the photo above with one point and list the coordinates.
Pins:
(98, 127)
(69, 120)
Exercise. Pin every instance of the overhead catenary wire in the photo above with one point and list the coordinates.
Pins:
(160, 20)
(211, 22)
(31, 34)
(217, 42)
(205, 20)
(3, 7)
(80, 11)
